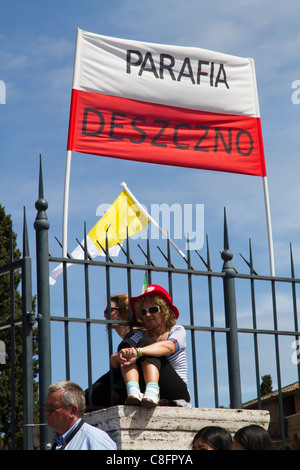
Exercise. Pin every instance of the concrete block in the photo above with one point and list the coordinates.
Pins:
(168, 428)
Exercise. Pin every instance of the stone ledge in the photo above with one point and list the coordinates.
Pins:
(168, 428)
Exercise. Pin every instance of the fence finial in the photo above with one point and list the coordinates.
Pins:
(226, 239)
(226, 254)
(25, 236)
(41, 221)
(292, 261)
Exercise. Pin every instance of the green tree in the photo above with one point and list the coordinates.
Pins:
(266, 385)
(7, 405)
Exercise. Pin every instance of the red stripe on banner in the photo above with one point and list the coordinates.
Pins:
(148, 132)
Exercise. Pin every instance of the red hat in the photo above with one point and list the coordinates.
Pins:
(155, 290)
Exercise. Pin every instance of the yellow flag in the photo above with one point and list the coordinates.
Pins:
(123, 213)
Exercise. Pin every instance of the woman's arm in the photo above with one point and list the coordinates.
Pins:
(114, 361)
(161, 348)
(130, 355)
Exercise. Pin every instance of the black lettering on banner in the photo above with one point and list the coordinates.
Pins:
(85, 120)
(166, 66)
(163, 66)
(227, 147)
(175, 136)
(138, 129)
(212, 68)
(200, 72)
(138, 62)
(197, 146)
(237, 141)
(189, 74)
(165, 124)
(113, 124)
(148, 58)
(219, 79)
(210, 139)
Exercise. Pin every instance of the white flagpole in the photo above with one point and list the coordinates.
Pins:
(68, 158)
(153, 221)
(269, 226)
(265, 183)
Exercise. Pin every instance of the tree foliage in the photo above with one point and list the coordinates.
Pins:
(11, 407)
(266, 385)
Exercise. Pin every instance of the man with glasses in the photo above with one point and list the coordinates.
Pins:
(64, 411)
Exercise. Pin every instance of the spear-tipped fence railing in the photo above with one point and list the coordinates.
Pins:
(229, 279)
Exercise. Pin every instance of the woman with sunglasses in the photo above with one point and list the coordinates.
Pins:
(155, 364)
(100, 393)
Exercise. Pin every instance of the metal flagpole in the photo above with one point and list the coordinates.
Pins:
(265, 181)
(153, 221)
(269, 226)
(69, 154)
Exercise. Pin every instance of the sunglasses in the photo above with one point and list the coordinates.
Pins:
(152, 309)
(111, 309)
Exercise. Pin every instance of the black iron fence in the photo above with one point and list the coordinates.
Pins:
(220, 296)
(25, 321)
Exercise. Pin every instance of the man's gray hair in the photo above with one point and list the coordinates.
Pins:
(71, 394)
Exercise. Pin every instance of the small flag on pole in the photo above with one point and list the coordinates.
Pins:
(122, 216)
(145, 283)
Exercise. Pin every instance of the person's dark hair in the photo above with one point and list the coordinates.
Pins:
(254, 437)
(215, 436)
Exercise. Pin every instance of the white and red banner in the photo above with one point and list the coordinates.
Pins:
(164, 104)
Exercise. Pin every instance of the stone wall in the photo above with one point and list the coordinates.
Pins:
(168, 428)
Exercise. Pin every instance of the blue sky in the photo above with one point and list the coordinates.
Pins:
(37, 46)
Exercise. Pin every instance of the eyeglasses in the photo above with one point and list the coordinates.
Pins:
(153, 309)
(111, 309)
(51, 408)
